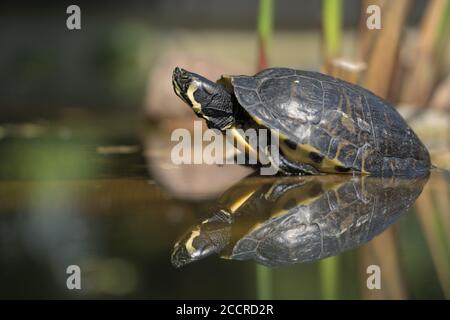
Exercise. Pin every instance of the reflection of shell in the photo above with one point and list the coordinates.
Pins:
(161, 101)
(190, 181)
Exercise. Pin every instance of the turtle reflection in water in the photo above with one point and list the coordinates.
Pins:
(281, 221)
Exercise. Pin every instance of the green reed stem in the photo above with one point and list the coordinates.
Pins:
(263, 282)
(444, 28)
(329, 274)
(265, 30)
(332, 27)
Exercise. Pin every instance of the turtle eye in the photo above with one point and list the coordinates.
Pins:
(184, 75)
(186, 84)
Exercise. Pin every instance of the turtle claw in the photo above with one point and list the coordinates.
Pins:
(287, 168)
(222, 216)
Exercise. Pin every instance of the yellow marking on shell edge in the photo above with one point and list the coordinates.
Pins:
(194, 234)
(190, 93)
(240, 201)
(301, 154)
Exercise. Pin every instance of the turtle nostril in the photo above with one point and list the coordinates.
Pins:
(176, 73)
(180, 75)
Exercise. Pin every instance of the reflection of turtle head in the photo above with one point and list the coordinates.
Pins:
(209, 237)
(209, 100)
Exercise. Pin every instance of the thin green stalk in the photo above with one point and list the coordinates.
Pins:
(263, 282)
(329, 274)
(265, 29)
(444, 28)
(332, 27)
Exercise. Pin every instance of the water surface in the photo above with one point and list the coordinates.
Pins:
(115, 206)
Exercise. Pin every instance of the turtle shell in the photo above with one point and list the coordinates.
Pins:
(331, 124)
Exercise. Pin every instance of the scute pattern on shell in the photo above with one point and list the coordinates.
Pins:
(337, 118)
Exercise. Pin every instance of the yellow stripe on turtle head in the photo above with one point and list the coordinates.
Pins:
(195, 104)
(177, 88)
(189, 243)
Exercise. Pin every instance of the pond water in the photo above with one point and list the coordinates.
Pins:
(140, 227)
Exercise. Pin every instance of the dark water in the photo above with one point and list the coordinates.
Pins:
(116, 207)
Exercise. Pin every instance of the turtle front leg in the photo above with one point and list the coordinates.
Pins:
(289, 168)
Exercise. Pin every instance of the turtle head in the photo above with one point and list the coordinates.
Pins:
(211, 236)
(207, 99)
(192, 247)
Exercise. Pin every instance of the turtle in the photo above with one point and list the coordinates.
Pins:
(322, 124)
(288, 220)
